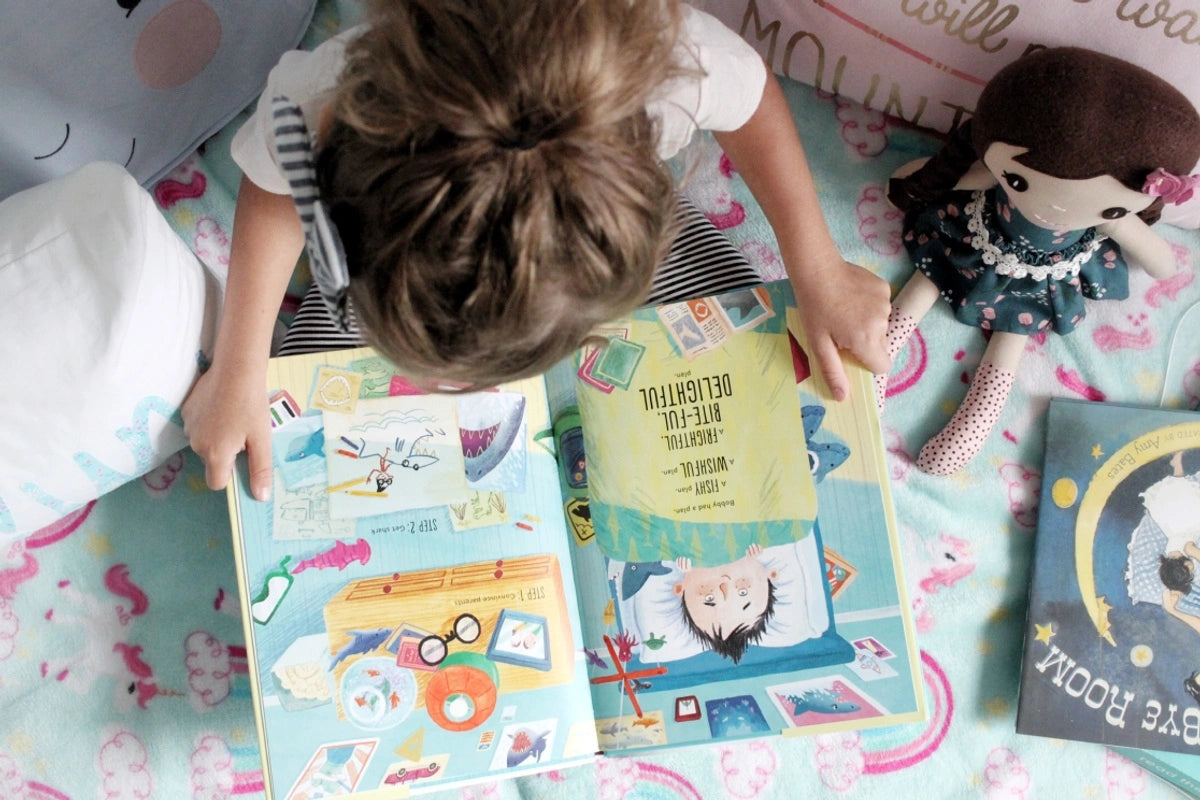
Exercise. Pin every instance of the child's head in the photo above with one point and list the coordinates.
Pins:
(728, 607)
(494, 177)
(1176, 572)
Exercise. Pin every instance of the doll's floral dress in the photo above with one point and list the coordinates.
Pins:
(1001, 272)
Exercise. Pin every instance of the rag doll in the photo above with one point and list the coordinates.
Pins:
(1033, 205)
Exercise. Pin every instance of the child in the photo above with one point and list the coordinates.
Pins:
(493, 171)
(728, 607)
(773, 598)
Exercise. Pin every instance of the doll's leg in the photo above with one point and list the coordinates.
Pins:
(964, 436)
(913, 300)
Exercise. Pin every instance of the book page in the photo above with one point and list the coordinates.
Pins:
(408, 593)
(683, 446)
(739, 573)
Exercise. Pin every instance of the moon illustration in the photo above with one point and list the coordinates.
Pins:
(1141, 655)
(1064, 492)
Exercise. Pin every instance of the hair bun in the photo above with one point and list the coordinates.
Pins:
(522, 140)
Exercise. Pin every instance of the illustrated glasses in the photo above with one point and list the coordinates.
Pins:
(433, 649)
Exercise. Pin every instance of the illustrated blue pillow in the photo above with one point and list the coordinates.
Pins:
(137, 82)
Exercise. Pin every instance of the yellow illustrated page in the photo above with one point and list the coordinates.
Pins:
(715, 438)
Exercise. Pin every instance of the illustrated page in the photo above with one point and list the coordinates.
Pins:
(698, 474)
(408, 591)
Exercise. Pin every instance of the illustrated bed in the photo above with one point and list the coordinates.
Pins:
(146, 572)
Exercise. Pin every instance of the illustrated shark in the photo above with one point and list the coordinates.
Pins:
(821, 701)
(363, 642)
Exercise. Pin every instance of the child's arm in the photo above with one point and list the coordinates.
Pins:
(226, 411)
(842, 305)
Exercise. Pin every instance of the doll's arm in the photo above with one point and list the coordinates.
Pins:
(977, 177)
(1141, 244)
(904, 170)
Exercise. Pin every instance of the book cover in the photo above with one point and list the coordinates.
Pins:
(1112, 639)
(408, 593)
(739, 573)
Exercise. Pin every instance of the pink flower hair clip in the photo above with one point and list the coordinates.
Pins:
(1173, 189)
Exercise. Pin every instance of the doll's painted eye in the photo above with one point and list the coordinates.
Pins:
(1015, 181)
(1116, 212)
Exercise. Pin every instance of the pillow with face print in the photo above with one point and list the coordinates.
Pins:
(137, 82)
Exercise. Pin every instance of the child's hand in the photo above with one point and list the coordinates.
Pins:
(843, 307)
(223, 415)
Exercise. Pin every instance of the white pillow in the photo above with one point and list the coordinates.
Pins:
(103, 314)
(1174, 503)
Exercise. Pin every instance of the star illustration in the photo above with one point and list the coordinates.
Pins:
(1044, 633)
(20, 743)
(1097, 452)
(98, 544)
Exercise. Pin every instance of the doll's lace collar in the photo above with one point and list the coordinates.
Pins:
(1017, 261)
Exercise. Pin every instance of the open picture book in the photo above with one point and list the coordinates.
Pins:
(673, 538)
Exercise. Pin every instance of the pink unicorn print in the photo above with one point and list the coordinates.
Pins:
(106, 649)
(941, 562)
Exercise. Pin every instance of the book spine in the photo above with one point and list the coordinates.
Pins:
(1188, 784)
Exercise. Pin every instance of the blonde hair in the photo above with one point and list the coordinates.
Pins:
(494, 176)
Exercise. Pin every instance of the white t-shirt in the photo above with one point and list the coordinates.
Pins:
(722, 99)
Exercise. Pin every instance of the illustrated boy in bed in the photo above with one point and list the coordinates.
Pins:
(1172, 505)
(1173, 502)
(771, 597)
(727, 607)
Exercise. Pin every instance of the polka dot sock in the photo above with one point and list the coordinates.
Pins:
(964, 436)
(900, 327)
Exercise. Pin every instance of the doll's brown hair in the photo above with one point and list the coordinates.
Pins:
(494, 176)
(1081, 114)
